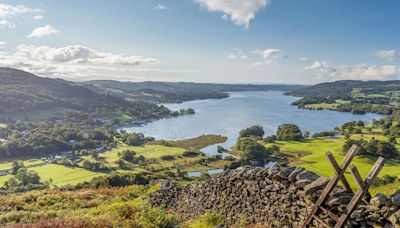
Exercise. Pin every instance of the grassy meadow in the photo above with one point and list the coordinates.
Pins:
(59, 175)
(310, 154)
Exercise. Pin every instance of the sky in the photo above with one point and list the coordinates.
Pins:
(225, 41)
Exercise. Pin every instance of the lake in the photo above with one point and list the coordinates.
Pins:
(242, 109)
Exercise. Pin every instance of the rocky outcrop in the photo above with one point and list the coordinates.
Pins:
(275, 197)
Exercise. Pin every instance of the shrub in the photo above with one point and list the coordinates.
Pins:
(156, 217)
(190, 154)
(212, 219)
(167, 157)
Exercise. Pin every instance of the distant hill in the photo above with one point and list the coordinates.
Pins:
(358, 97)
(345, 88)
(176, 91)
(21, 91)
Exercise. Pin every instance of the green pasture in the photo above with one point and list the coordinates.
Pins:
(310, 154)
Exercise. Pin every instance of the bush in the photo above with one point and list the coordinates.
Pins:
(221, 149)
(156, 217)
(190, 154)
(167, 157)
(116, 180)
(212, 219)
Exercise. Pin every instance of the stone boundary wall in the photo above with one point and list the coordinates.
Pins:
(276, 197)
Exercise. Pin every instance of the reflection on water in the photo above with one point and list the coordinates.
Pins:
(242, 109)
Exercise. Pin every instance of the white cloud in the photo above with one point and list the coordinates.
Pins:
(78, 54)
(8, 12)
(263, 63)
(388, 54)
(3, 44)
(237, 54)
(44, 31)
(369, 72)
(78, 62)
(240, 12)
(160, 7)
(324, 71)
(270, 53)
(6, 24)
(38, 17)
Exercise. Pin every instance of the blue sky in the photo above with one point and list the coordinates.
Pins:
(231, 41)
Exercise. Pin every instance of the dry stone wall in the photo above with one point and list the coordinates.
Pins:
(276, 197)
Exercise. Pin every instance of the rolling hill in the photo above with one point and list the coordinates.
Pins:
(23, 92)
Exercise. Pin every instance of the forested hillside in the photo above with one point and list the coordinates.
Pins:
(21, 91)
(176, 91)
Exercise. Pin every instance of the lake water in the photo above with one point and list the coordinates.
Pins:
(242, 109)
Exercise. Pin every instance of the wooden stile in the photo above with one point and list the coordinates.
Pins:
(362, 192)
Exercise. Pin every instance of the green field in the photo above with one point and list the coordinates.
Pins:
(156, 152)
(7, 165)
(60, 175)
(148, 151)
(331, 106)
(310, 154)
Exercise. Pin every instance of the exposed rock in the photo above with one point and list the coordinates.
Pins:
(284, 173)
(396, 199)
(292, 176)
(379, 200)
(318, 184)
(307, 175)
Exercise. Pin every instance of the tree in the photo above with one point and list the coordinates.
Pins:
(255, 130)
(16, 165)
(289, 132)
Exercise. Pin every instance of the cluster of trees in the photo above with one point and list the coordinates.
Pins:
(128, 158)
(389, 125)
(26, 138)
(114, 180)
(373, 148)
(352, 127)
(96, 165)
(289, 132)
(135, 139)
(181, 112)
(324, 134)
(250, 150)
